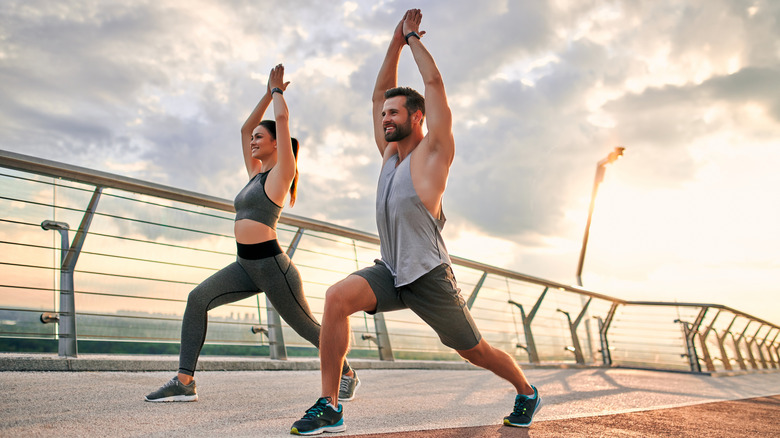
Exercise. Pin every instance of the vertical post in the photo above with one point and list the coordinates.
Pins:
(606, 356)
(705, 351)
(737, 343)
(381, 335)
(749, 344)
(777, 351)
(69, 254)
(773, 355)
(722, 346)
(66, 327)
(276, 347)
(473, 296)
(690, 346)
(533, 354)
(382, 338)
(689, 333)
(738, 353)
(761, 350)
(575, 339)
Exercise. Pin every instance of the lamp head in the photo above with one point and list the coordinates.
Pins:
(614, 155)
(53, 225)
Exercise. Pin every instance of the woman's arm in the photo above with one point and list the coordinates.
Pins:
(253, 165)
(283, 172)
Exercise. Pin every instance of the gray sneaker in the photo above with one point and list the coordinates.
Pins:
(174, 391)
(348, 386)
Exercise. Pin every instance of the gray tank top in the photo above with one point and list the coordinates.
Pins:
(253, 203)
(411, 243)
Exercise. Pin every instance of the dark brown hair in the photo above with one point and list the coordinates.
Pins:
(414, 100)
(270, 125)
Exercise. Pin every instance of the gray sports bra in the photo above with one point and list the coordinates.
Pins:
(253, 203)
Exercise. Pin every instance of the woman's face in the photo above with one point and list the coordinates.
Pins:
(263, 143)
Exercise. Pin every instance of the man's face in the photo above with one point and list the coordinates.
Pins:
(396, 120)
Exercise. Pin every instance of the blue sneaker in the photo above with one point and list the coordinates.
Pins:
(322, 417)
(525, 408)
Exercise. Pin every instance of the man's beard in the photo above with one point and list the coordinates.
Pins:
(400, 132)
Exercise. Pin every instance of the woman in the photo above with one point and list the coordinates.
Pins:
(270, 156)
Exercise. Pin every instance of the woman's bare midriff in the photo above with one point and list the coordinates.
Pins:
(248, 232)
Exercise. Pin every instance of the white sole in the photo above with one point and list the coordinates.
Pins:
(332, 429)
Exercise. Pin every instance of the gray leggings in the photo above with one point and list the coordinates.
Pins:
(277, 276)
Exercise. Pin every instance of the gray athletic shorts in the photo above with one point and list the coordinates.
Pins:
(434, 297)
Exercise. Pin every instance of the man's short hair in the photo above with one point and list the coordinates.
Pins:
(414, 100)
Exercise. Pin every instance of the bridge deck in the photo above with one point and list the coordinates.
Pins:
(456, 402)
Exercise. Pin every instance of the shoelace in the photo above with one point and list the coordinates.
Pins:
(314, 411)
(520, 408)
(344, 385)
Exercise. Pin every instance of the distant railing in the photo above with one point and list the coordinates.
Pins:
(138, 248)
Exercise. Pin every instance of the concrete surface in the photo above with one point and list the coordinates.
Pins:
(457, 402)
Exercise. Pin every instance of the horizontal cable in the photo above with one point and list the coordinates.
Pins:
(29, 245)
(145, 222)
(133, 277)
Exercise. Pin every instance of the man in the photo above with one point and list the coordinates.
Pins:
(415, 270)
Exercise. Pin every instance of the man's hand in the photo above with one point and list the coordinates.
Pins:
(411, 22)
(398, 33)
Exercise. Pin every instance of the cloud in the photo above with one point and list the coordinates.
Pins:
(540, 92)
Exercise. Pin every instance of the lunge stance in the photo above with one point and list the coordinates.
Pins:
(414, 271)
(270, 155)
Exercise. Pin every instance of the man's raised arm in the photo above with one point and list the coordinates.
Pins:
(437, 110)
(387, 79)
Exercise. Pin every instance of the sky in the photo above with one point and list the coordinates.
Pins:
(540, 92)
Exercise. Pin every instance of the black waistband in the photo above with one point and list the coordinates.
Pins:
(256, 251)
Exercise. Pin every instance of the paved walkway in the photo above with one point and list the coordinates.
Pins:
(402, 402)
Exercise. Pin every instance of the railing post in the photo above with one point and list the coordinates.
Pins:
(777, 352)
(382, 338)
(473, 296)
(606, 356)
(738, 341)
(722, 346)
(69, 254)
(705, 351)
(689, 333)
(761, 348)
(66, 327)
(276, 347)
(575, 339)
(533, 355)
(773, 356)
(749, 344)
(738, 352)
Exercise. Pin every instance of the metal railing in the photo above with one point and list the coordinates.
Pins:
(139, 248)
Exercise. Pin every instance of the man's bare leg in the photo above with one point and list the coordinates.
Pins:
(500, 363)
(344, 298)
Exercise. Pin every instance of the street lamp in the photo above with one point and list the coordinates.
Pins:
(600, 168)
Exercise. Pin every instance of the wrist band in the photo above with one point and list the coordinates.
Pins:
(276, 90)
(411, 34)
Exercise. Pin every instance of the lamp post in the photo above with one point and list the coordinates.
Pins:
(600, 168)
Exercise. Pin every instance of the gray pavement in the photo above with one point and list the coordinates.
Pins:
(265, 403)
